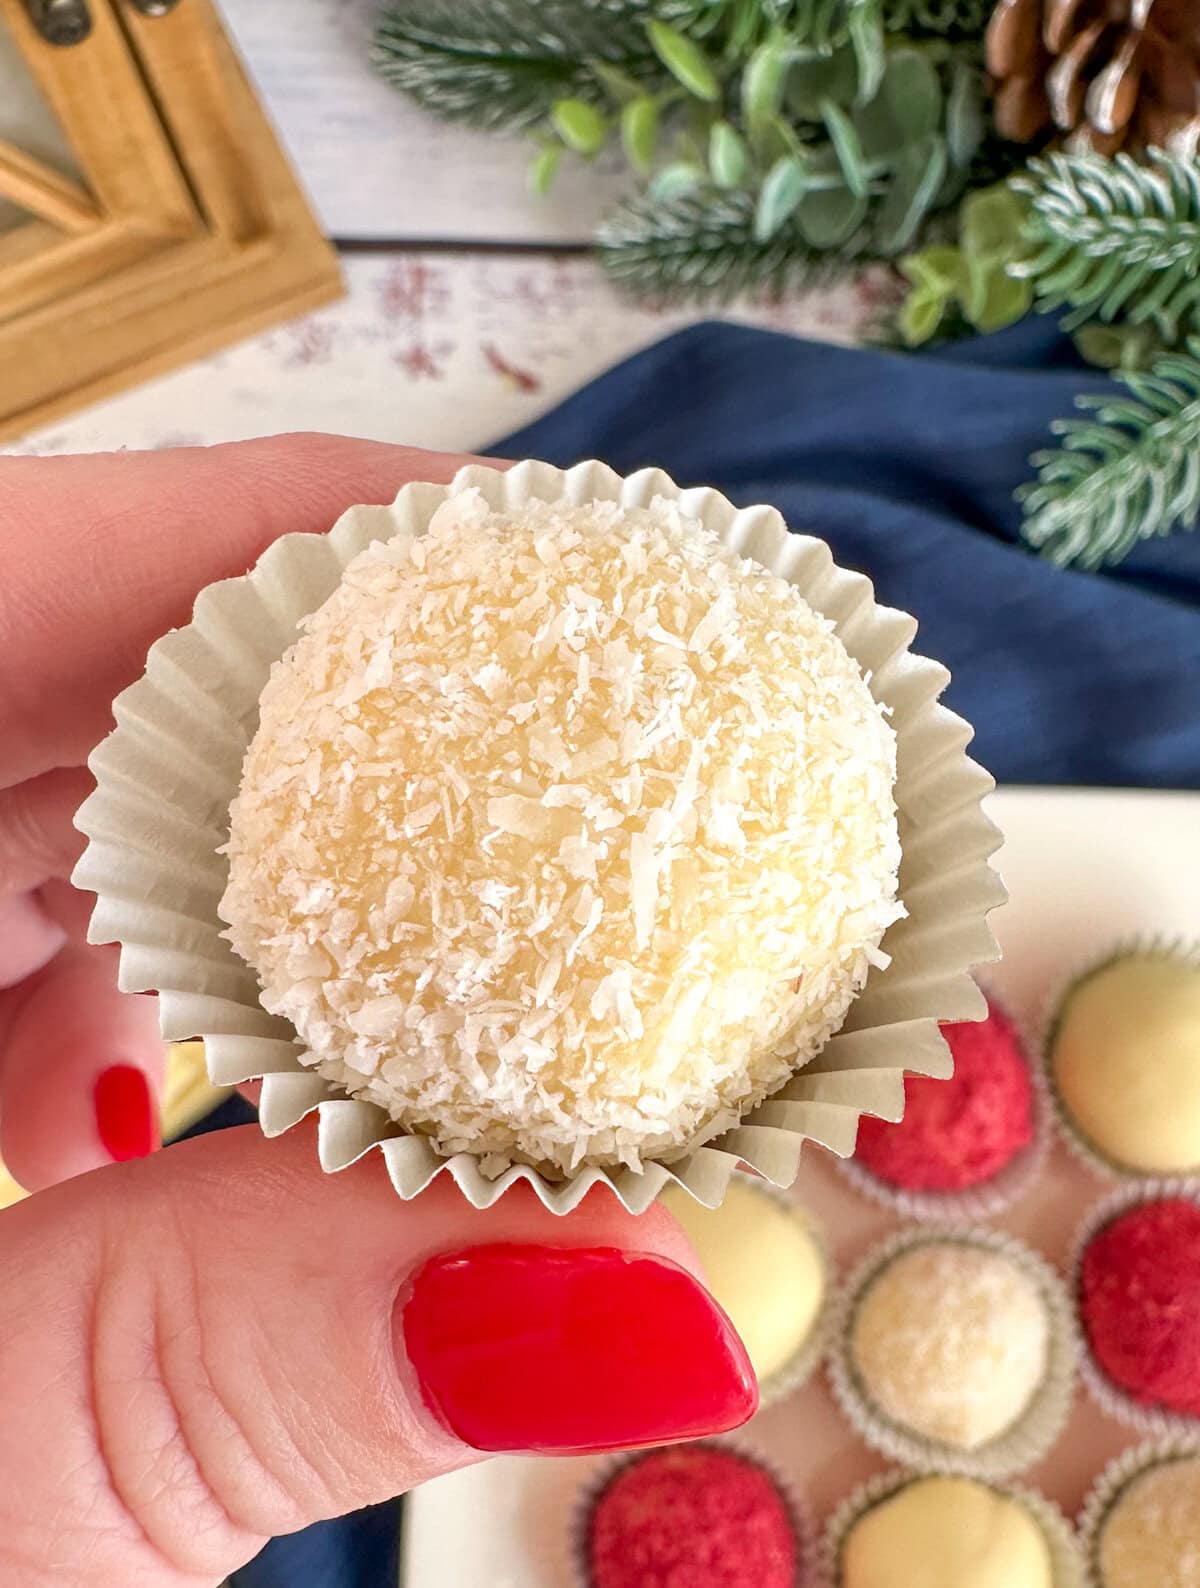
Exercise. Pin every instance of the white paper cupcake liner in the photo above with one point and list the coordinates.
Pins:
(166, 776)
(803, 1525)
(1065, 1558)
(1084, 1150)
(1151, 1422)
(989, 1198)
(1112, 1483)
(1038, 1427)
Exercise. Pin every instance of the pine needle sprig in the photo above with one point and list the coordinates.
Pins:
(1130, 473)
(953, 19)
(502, 63)
(1111, 237)
(700, 248)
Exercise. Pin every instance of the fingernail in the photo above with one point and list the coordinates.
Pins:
(126, 1116)
(569, 1351)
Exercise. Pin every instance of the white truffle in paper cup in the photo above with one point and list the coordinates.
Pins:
(1140, 1523)
(936, 1528)
(559, 820)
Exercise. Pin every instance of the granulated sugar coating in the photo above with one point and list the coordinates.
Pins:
(566, 835)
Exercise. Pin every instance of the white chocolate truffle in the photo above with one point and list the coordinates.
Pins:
(1151, 1537)
(763, 1266)
(1125, 1053)
(950, 1341)
(565, 835)
(946, 1533)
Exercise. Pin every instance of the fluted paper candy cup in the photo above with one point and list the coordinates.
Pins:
(167, 774)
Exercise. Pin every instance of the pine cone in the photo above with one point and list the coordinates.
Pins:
(1109, 73)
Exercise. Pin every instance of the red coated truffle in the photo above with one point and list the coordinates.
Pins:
(693, 1516)
(1139, 1297)
(960, 1132)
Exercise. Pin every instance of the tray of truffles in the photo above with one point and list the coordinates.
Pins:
(978, 1338)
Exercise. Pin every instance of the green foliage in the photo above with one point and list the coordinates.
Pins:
(1130, 473)
(972, 282)
(503, 63)
(954, 19)
(701, 248)
(1110, 238)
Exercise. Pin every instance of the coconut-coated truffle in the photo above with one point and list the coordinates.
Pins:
(565, 835)
(950, 1340)
(1151, 1535)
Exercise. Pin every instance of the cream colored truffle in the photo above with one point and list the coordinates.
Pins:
(1125, 1055)
(1151, 1537)
(763, 1266)
(565, 835)
(947, 1533)
(950, 1341)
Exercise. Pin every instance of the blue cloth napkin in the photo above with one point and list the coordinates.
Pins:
(906, 465)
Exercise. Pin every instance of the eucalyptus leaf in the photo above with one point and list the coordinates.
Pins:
(828, 218)
(762, 86)
(940, 267)
(847, 147)
(907, 108)
(916, 176)
(580, 125)
(685, 61)
(865, 27)
(675, 180)
(543, 168)
(965, 118)
(620, 85)
(991, 222)
(783, 187)
(920, 315)
(727, 159)
(822, 77)
(639, 131)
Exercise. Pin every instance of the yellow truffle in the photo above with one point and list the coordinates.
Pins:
(1125, 1060)
(762, 1265)
(946, 1533)
(566, 835)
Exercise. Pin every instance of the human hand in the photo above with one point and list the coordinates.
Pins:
(207, 1347)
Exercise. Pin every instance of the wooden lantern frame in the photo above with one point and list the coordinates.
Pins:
(187, 231)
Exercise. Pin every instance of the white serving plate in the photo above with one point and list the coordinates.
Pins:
(1083, 868)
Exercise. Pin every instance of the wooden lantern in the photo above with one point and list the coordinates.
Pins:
(185, 229)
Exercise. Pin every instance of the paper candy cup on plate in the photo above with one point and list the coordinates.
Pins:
(1025, 1441)
(167, 773)
(987, 1198)
(1066, 1562)
(1112, 1483)
(1088, 1152)
(1149, 1420)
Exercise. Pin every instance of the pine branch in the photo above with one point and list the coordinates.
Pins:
(1131, 473)
(502, 63)
(702, 247)
(1113, 237)
(953, 19)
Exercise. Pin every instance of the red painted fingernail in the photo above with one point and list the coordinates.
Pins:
(550, 1349)
(126, 1116)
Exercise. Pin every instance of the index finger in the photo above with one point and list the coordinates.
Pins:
(104, 553)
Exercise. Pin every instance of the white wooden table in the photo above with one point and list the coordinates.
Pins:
(469, 310)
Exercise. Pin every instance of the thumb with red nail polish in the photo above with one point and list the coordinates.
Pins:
(261, 1346)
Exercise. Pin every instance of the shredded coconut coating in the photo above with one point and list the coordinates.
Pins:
(1152, 1535)
(951, 1341)
(565, 835)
